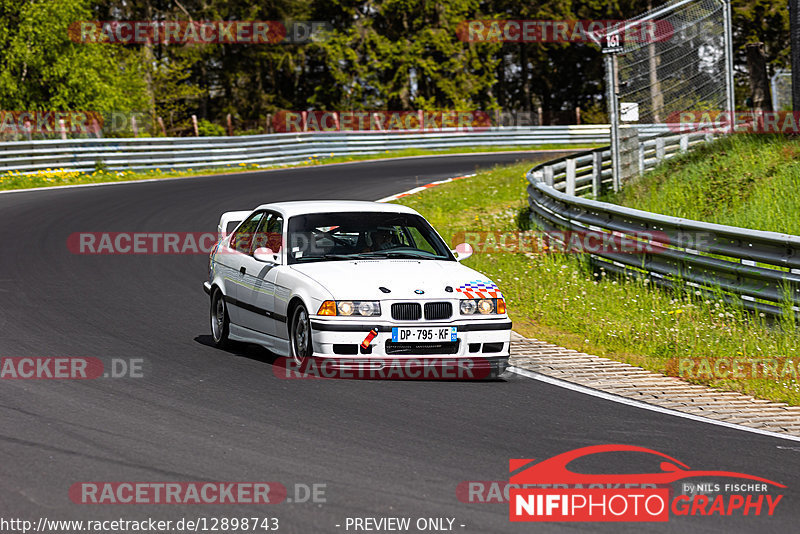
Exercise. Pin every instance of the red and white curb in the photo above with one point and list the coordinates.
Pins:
(422, 188)
(634, 386)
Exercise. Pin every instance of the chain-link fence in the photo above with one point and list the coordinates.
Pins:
(781, 88)
(677, 63)
(677, 57)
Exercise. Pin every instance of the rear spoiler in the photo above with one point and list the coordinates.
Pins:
(230, 217)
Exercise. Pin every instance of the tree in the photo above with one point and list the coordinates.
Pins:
(41, 69)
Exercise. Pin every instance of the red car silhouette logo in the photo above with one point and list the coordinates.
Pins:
(554, 470)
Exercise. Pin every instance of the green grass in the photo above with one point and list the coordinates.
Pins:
(55, 177)
(558, 298)
(751, 181)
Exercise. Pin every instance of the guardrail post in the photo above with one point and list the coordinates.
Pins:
(548, 175)
(538, 176)
(659, 149)
(641, 159)
(597, 173)
(571, 176)
(684, 142)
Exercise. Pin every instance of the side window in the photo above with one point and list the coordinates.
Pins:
(270, 233)
(243, 237)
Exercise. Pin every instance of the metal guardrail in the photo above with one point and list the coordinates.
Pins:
(271, 149)
(589, 172)
(758, 269)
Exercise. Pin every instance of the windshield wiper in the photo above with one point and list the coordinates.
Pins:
(369, 255)
(327, 257)
(390, 254)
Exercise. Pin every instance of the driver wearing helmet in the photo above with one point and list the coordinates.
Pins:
(380, 239)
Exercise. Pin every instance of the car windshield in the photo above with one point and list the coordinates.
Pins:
(359, 235)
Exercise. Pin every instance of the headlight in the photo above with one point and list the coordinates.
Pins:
(468, 307)
(482, 306)
(365, 308)
(486, 306)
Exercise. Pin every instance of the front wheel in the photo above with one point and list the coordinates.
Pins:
(220, 323)
(300, 335)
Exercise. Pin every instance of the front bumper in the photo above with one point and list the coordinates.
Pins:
(486, 338)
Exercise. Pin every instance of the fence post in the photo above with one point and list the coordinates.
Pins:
(597, 173)
(684, 142)
(571, 176)
(659, 149)
(730, 98)
(612, 89)
(548, 175)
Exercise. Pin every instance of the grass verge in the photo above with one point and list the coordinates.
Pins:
(559, 298)
(54, 177)
(739, 180)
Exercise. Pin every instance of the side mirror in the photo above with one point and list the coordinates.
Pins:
(463, 251)
(266, 255)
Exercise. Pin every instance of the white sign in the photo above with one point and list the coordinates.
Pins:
(628, 111)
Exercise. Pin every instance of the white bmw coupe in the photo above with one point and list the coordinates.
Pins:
(347, 282)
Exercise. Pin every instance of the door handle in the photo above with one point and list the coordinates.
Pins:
(243, 270)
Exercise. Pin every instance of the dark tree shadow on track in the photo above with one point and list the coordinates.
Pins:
(244, 350)
(260, 354)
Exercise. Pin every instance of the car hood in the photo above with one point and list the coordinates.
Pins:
(361, 279)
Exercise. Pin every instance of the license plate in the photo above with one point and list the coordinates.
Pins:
(432, 335)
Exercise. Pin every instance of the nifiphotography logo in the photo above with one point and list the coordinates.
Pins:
(548, 491)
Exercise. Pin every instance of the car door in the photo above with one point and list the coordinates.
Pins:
(233, 261)
(258, 278)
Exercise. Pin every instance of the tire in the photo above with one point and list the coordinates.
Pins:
(220, 322)
(300, 335)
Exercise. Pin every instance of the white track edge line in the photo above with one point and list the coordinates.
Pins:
(644, 405)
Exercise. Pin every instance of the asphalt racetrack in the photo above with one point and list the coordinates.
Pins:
(375, 448)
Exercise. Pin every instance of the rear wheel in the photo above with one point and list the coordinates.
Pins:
(220, 323)
(300, 335)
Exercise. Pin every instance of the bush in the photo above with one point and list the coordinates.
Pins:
(209, 129)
